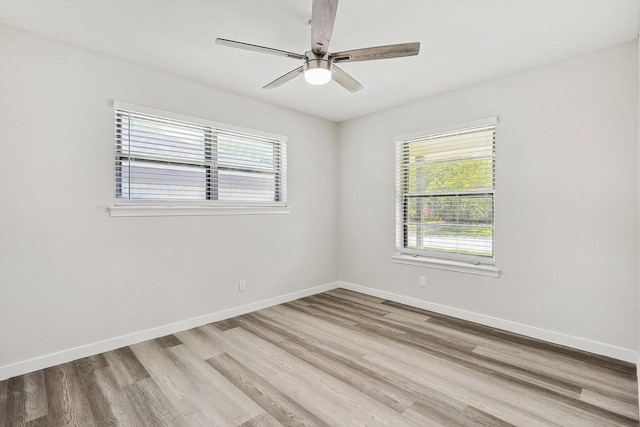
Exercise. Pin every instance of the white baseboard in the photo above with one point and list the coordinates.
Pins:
(64, 356)
(595, 347)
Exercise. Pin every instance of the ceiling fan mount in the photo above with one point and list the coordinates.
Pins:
(319, 65)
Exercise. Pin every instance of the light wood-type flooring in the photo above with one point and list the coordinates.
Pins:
(333, 359)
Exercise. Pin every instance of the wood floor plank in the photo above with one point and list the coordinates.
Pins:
(40, 422)
(263, 420)
(198, 341)
(429, 418)
(318, 329)
(385, 325)
(169, 377)
(122, 410)
(258, 327)
(66, 399)
(168, 341)
(355, 296)
(14, 406)
(125, 366)
(360, 379)
(531, 344)
(352, 307)
(260, 323)
(437, 347)
(222, 396)
(151, 405)
(408, 318)
(447, 382)
(4, 416)
(338, 358)
(312, 309)
(580, 373)
(334, 403)
(271, 358)
(35, 396)
(626, 407)
(474, 416)
(195, 419)
(218, 336)
(426, 415)
(99, 403)
(225, 325)
(496, 396)
(280, 406)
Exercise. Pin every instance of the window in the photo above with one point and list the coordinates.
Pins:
(445, 186)
(162, 159)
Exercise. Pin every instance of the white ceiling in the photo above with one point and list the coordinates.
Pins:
(462, 41)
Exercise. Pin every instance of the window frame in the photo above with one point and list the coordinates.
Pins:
(210, 205)
(455, 261)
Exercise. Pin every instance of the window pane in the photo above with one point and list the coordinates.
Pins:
(160, 139)
(451, 177)
(451, 224)
(245, 153)
(149, 180)
(237, 185)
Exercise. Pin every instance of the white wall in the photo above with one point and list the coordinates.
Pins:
(566, 200)
(638, 136)
(71, 275)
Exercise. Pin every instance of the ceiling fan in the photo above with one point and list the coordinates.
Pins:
(319, 65)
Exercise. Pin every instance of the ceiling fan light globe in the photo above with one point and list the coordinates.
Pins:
(317, 71)
(317, 76)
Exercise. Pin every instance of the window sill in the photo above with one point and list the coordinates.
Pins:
(444, 264)
(196, 210)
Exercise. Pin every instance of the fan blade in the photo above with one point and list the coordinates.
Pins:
(323, 15)
(377, 52)
(345, 80)
(256, 48)
(284, 78)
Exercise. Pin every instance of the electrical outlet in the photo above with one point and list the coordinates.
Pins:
(422, 282)
(242, 286)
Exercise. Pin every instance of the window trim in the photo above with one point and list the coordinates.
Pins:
(147, 211)
(441, 260)
(446, 264)
(132, 207)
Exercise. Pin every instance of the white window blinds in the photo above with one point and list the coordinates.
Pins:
(163, 160)
(445, 185)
